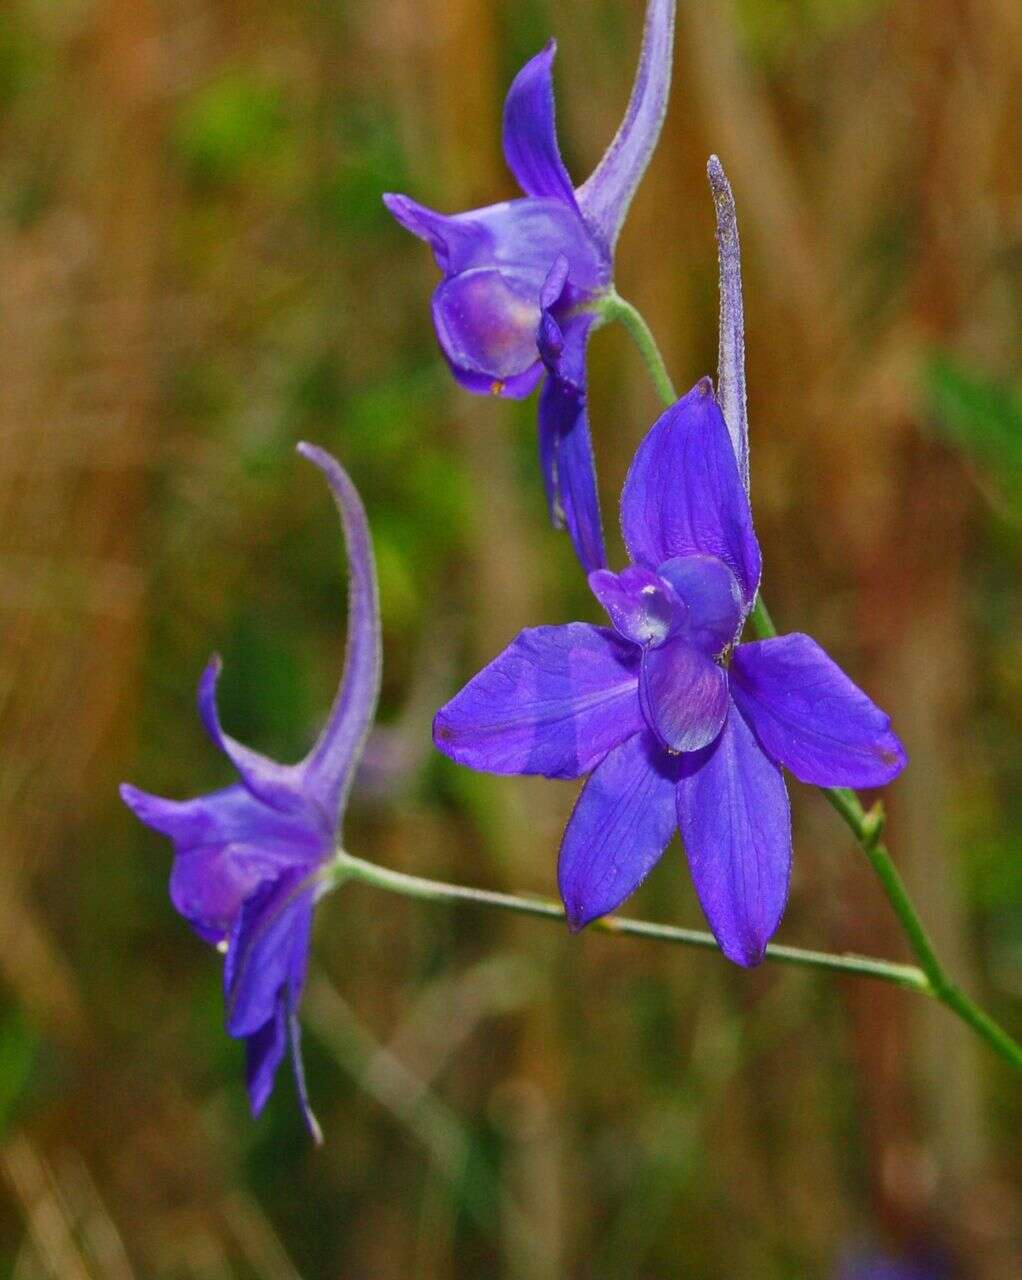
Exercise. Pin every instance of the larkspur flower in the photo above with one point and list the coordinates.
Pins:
(246, 858)
(677, 724)
(518, 277)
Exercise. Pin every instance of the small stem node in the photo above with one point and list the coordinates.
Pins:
(873, 826)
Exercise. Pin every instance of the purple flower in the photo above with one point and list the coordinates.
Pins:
(246, 859)
(518, 277)
(677, 724)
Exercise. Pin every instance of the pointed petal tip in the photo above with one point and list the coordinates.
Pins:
(396, 203)
(809, 716)
(576, 915)
(257, 1102)
(148, 809)
(530, 131)
(442, 733)
(397, 206)
(138, 801)
(892, 755)
(413, 216)
(746, 956)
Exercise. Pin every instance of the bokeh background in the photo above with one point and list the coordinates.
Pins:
(196, 272)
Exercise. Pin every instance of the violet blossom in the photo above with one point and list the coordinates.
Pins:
(247, 858)
(677, 724)
(522, 279)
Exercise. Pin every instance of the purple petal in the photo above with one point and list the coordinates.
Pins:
(550, 335)
(530, 134)
(330, 766)
(276, 785)
(605, 196)
(265, 1046)
(210, 883)
(566, 450)
(731, 347)
(225, 845)
(683, 495)
(527, 236)
(453, 239)
(683, 695)
(264, 1052)
(554, 703)
(268, 943)
(618, 831)
(811, 718)
(736, 826)
(550, 342)
(712, 598)
(524, 237)
(555, 282)
(642, 606)
(516, 388)
(220, 817)
(486, 322)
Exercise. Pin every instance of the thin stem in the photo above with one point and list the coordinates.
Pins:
(347, 867)
(867, 827)
(762, 623)
(614, 307)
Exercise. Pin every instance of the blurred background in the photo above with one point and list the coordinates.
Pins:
(196, 272)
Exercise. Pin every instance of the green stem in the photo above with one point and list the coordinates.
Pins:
(762, 623)
(614, 307)
(866, 827)
(347, 867)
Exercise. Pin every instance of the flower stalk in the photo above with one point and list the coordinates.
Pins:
(346, 867)
(866, 826)
(613, 307)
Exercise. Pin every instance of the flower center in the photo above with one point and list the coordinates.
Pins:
(713, 601)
